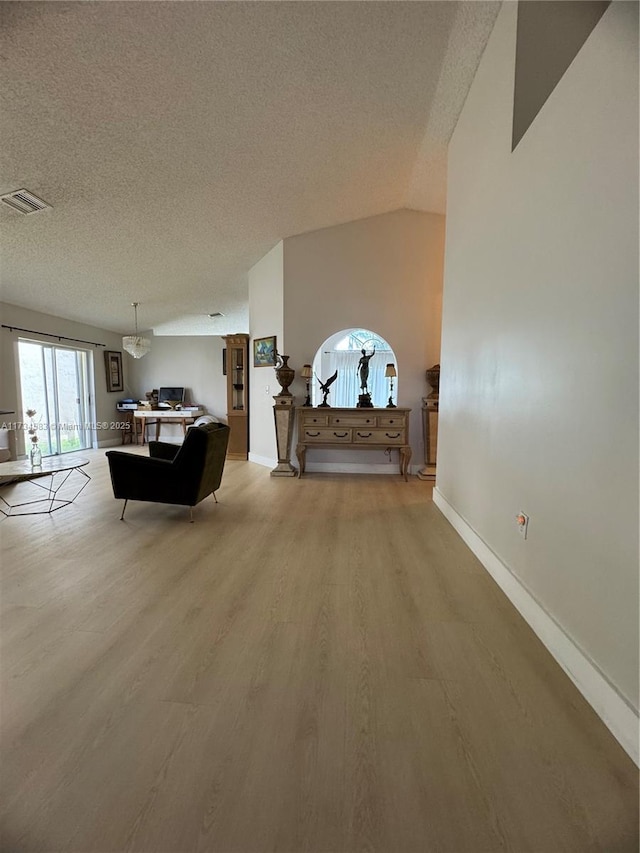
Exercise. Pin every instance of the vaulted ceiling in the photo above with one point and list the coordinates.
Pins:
(178, 142)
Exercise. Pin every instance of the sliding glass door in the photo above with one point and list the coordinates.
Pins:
(55, 382)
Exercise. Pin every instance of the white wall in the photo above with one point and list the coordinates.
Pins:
(539, 383)
(266, 319)
(383, 273)
(194, 363)
(105, 402)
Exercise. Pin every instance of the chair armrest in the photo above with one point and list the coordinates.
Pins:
(121, 461)
(132, 475)
(163, 450)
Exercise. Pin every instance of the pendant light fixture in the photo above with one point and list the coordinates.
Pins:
(136, 345)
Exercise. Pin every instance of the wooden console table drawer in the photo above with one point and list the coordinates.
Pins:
(352, 420)
(327, 435)
(318, 420)
(354, 429)
(398, 421)
(379, 436)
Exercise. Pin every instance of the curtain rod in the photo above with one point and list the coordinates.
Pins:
(49, 335)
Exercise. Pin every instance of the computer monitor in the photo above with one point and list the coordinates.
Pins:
(173, 394)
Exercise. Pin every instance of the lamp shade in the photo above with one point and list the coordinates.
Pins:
(306, 371)
(136, 345)
(390, 370)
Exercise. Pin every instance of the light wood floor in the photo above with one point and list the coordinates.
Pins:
(314, 665)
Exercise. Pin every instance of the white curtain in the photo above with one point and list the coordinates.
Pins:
(346, 389)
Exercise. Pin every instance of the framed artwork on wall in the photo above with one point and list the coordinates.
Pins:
(113, 370)
(264, 352)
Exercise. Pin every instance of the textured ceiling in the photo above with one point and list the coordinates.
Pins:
(178, 142)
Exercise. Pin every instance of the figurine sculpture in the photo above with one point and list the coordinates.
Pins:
(364, 399)
(325, 387)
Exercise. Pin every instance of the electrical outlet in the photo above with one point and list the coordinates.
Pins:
(522, 520)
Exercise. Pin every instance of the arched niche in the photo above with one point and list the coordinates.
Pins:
(342, 351)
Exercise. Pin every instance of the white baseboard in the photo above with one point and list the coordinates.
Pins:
(612, 708)
(107, 442)
(351, 468)
(332, 467)
(263, 460)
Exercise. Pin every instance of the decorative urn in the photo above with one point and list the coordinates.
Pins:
(433, 378)
(284, 374)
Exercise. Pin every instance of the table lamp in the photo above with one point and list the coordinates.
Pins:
(306, 374)
(390, 372)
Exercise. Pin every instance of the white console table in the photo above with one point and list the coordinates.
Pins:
(167, 416)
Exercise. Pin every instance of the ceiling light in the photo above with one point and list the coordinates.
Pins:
(136, 345)
(24, 201)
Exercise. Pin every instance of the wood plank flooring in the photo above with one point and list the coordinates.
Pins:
(312, 666)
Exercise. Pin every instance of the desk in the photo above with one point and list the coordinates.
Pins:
(129, 426)
(354, 429)
(167, 416)
(58, 470)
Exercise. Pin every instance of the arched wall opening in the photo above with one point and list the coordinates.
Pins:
(342, 352)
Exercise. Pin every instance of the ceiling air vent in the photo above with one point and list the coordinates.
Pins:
(24, 201)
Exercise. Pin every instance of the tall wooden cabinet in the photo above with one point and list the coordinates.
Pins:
(238, 395)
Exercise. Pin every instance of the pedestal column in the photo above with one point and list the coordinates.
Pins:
(283, 413)
(430, 428)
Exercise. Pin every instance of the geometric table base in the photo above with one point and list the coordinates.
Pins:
(41, 493)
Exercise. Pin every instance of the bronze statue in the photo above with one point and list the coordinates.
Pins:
(325, 387)
(363, 367)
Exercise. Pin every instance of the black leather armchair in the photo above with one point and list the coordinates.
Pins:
(173, 474)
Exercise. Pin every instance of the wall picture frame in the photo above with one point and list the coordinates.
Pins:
(113, 370)
(264, 352)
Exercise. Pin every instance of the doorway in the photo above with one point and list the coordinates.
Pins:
(55, 382)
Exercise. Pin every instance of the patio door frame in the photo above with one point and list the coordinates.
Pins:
(51, 386)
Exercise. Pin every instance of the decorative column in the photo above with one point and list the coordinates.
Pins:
(430, 424)
(284, 413)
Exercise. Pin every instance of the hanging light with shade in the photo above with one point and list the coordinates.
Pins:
(136, 345)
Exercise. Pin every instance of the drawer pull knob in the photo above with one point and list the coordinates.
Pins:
(341, 434)
(389, 435)
(313, 434)
(364, 435)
